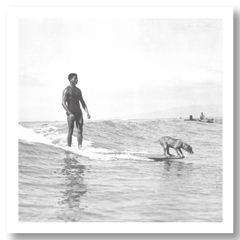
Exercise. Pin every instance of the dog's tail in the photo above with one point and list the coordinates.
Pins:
(157, 141)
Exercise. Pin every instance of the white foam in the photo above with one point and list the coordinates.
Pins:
(59, 140)
(45, 129)
(103, 154)
(54, 139)
(88, 151)
(29, 135)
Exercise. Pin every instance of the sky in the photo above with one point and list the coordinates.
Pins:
(124, 66)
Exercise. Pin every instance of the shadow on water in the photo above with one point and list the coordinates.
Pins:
(174, 164)
(177, 165)
(74, 184)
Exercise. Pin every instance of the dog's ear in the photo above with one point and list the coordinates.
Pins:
(190, 149)
(187, 147)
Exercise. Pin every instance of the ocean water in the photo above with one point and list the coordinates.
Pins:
(114, 179)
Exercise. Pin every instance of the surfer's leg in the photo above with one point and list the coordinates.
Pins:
(70, 130)
(79, 125)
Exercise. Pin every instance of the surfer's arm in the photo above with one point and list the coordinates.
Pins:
(64, 102)
(84, 105)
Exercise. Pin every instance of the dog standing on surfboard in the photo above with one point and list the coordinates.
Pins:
(177, 144)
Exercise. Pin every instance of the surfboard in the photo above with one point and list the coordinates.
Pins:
(207, 120)
(162, 157)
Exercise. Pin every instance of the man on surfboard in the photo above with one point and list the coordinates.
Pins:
(70, 102)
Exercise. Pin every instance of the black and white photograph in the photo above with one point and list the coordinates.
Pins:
(122, 117)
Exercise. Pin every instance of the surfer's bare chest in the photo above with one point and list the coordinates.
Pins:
(73, 93)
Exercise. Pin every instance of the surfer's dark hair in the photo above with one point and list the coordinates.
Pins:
(71, 75)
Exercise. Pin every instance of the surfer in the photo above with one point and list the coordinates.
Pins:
(70, 102)
(202, 117)
(190, 118)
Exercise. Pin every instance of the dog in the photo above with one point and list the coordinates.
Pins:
(169, 142)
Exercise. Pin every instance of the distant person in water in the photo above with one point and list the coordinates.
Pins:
(190, 118)
(202, 117)
(70, 101)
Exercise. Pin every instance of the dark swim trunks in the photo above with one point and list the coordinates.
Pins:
(76, 115)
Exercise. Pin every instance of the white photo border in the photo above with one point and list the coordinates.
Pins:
(14, 14)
